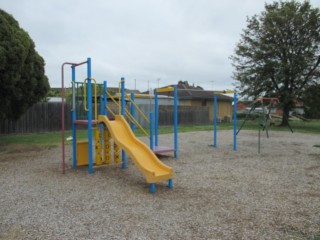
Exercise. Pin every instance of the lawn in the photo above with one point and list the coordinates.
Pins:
(54, 138)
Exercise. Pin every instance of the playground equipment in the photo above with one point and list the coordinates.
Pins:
(153, 119)
(215, 116)
(110, 135)
(73, 66)
(162, 149)
(261, 108)
(147, 162)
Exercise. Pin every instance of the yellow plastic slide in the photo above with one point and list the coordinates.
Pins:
(146, 161)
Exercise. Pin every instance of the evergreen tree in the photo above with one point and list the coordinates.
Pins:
(22, 75)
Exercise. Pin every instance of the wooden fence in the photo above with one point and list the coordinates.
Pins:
(41, 117)
(46, 117)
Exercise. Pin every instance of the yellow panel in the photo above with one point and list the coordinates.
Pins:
(98, 148)
(107, 147)
(116, 153)
(82, 153)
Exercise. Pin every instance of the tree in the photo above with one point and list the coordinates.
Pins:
(278, 54)
(311, 100)
(22, 75)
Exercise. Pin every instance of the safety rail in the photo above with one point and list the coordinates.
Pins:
(113, 100)
(95, 97)
(110, 110)
(139, 110)
(130, 117)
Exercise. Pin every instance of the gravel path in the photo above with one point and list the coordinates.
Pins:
(217, 193)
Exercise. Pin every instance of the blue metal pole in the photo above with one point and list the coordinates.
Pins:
(235, 121)
(152, 188)
(122, 97)
(105, 110)
(215, 107)
(156, 118)
(175, 112)
(151, 130)
(74, 118)
(132, 110)
(89, 102)
(123, 153)
(170, 183)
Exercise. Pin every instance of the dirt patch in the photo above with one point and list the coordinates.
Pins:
(217, 193)
(23, 148)
(13, 152)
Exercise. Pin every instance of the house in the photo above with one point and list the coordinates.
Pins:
(195, 96)
(244, 106)
(55, 99)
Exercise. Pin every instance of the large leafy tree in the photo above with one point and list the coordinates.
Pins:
(311, 100)
(22, 75)
(278, 54)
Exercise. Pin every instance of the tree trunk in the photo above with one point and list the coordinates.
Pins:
(285, 116)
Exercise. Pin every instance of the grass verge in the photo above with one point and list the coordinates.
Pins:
(54, 138)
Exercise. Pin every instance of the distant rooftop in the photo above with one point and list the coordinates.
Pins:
(186, 91)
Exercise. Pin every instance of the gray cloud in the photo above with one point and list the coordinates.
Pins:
(142, 39)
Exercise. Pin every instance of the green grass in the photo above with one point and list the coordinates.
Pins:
(316, 156)
(54, 138)
(46, 139)
(312, 126)
(317, 237)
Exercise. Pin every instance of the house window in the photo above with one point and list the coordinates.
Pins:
(204, 102)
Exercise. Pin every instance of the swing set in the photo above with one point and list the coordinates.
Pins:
(261, 108)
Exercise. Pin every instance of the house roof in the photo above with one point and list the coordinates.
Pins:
(190, 92)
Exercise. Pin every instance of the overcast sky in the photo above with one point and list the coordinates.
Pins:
(149, 42)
